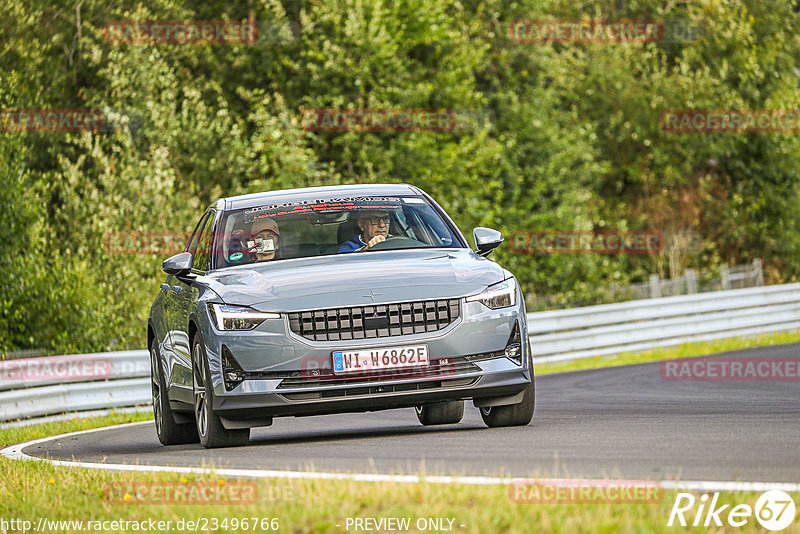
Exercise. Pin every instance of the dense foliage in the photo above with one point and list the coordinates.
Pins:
(566, 136)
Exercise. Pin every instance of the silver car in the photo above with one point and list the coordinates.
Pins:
(329, 300)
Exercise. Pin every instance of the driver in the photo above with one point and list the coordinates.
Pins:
(374, 226)
(266, 236)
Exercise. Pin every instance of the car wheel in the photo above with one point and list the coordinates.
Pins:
(512, 414)
(209, 426)
(441, 413)
(169, 432)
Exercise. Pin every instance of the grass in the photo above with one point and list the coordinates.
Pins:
(32, 490)
(687, 350)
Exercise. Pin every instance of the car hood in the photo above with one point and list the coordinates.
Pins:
(355, 279)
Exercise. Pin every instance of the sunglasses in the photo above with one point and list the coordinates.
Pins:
(376, 220)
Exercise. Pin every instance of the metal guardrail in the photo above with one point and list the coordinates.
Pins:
(73, 397)
(555, 336)
(37, 372)
(33, 387)
(643, 324)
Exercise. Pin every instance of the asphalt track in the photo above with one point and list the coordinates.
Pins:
(625, 422)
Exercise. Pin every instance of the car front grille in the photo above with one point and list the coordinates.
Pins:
(376, 321)
(444, 367)
(323, 376)
(379, 390)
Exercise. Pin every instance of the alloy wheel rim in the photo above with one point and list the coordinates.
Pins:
(156, 386)
(200, 405)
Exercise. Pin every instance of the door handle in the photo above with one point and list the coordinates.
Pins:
(177, 289)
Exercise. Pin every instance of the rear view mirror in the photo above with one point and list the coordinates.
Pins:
(179, 264)
(486, 239)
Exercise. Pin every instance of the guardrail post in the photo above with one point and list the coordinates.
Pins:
(691, 281)
(655, 286)
(758, 272)
(725, 277)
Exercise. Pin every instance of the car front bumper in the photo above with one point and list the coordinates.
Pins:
(497, 378)
(279, 366)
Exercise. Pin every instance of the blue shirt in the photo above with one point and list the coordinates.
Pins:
(352, 246)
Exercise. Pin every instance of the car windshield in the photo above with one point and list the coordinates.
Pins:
(297, 229)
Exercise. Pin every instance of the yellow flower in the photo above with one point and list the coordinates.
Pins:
(52, 481)
(220, 482)
(184, 480)
(127, 497)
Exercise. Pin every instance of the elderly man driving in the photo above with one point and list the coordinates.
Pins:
(374, 226)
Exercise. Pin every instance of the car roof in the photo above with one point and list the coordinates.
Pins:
(309, 193)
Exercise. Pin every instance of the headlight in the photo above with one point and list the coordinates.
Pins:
(496, 296)
(238, 317)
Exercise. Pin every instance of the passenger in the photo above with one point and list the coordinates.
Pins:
(374, 226)
(266, 236)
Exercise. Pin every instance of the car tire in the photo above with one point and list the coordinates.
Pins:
(209, 426)
(169, 432)
(512, 414)
(441, 413)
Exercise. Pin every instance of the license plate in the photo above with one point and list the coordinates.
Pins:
(359, 361)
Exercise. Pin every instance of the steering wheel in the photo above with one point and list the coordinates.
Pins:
(397, 242)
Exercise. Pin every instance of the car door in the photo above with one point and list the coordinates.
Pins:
(185, 296)
(174, 305)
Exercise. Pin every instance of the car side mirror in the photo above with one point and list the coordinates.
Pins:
(486, 239)
(179, 264)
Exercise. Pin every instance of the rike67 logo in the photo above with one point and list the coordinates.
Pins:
(774, 510)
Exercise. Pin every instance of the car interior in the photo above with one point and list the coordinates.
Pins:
(298, 238)
(322, 233)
